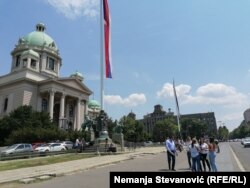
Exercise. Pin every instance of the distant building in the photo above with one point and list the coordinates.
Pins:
(34, 80)
(132, 115)
(94, 109)
(246, 115)
(207, 118)
(159, 114)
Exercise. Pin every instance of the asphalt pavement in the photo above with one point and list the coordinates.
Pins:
(226, 161)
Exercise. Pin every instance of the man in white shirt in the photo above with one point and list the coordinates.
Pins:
(171, 152)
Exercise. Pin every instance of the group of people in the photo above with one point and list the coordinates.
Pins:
(200, 154)
(80, 144)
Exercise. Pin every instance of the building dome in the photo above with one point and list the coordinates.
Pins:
(93, 104)
(39, 38)
(77, 75)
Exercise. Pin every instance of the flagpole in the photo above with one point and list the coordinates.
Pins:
(101, 53)
(177, 108)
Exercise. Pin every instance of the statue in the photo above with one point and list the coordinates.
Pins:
(88, 123)
(102, 126)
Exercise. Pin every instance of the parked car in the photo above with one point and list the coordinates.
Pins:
(68, 144)
(17, 149)
(246, 143)
(148, 143)
(37, 144)
(51, 147)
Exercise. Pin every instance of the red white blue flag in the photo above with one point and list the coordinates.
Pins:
(107, 39)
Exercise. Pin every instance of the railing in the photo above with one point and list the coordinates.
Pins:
(92, 149)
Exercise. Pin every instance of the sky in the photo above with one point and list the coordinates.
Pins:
(203, 45)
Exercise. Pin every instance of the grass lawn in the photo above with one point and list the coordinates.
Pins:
(46, 160)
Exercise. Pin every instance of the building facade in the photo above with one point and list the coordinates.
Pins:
(34, 80)
(159, 114)
(246, 115)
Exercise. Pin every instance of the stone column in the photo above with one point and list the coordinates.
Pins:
(51, 104)
(62, 105)
(62, 115)
(78, 123)
(39, 103)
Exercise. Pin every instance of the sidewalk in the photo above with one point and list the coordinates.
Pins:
(225, 162)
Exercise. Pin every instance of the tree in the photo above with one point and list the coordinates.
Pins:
(26, 125)
(223, 133)
(164, 129)
(132, 129)
(193, 127)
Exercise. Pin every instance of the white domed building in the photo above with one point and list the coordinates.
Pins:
(34, 80)
(94, 108)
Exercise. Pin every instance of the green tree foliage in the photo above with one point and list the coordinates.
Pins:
(132, 129)
(240, 132)
(164, 129)
(193, 128)
(26, 125)
(223, 133)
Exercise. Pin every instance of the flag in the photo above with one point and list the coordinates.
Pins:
(107, 39)
(177, 106)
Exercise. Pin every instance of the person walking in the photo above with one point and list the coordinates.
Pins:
(171, 152)
(189, 158)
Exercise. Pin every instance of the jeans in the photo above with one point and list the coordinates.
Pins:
(196, 163)
(189, 159)
(171, 160)
(212, 156)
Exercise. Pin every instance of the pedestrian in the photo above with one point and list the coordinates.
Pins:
(187, 144)
(77, 144)
(195, 154)
(213, 148)
(203, 154)
(171, 153)
(83, 144)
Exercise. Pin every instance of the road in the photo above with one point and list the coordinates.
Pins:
(233, 157)
(99, 177)
(243, 154)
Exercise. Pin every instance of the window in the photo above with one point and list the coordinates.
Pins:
(50, 64)
(18, 60)
(25, 62)
(44, 105)
(71, 110)
(5, 105)
(33, 63)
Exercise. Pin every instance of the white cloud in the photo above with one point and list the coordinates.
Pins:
(227, 103)
(212, 93)
(132, 100)
(167, 90)
(76, 8)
